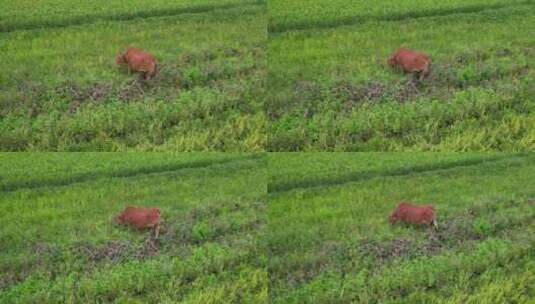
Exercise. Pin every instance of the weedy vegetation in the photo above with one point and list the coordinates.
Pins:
(59, 244)
(330, 241)
(330, 89)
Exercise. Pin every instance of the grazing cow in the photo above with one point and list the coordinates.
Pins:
(414, 214)
(411, 62)
(138, 61)
(140, 218)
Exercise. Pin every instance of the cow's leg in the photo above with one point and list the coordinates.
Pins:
(435, 224)
(156, 231)
(423, 74)
(414, 81)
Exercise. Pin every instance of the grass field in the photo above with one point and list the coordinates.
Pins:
(330, 241)
(329, 88)
(58, 244)
(61, 91)
(323, 237)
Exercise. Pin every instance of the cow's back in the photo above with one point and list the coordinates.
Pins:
(411, 213)
(412, 61)
(140, 60)
(141, 218)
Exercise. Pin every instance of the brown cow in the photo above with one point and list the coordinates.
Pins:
(138, 61)
(411, 62)
(414, 214)
(140, 218)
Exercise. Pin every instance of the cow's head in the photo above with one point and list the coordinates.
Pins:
(392, 61)
(120, 59)
(119, 219)
(393, 218)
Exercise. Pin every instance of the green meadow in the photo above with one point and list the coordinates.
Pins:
(59, 244)
(329, 88)
(61, 89)
(330, 241)
(237, 78)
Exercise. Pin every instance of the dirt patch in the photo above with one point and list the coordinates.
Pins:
(348, 91)
(95, 92)
(407, 90)
(25, 100)
(45, 251)
(355, 93)
(10, 279)
(133, 90)
(307, 93)
(149, 249)
(384, 251)
(112, 251)
(374, 91)
(117, 251)
(79, 95)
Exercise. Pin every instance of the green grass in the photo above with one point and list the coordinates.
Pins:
(251, 228)
(60, 246)
(329, 88)
(305, 14)
(332, 243)
(45, 170)
(63, 91)
(356, 166)
(25, 14)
